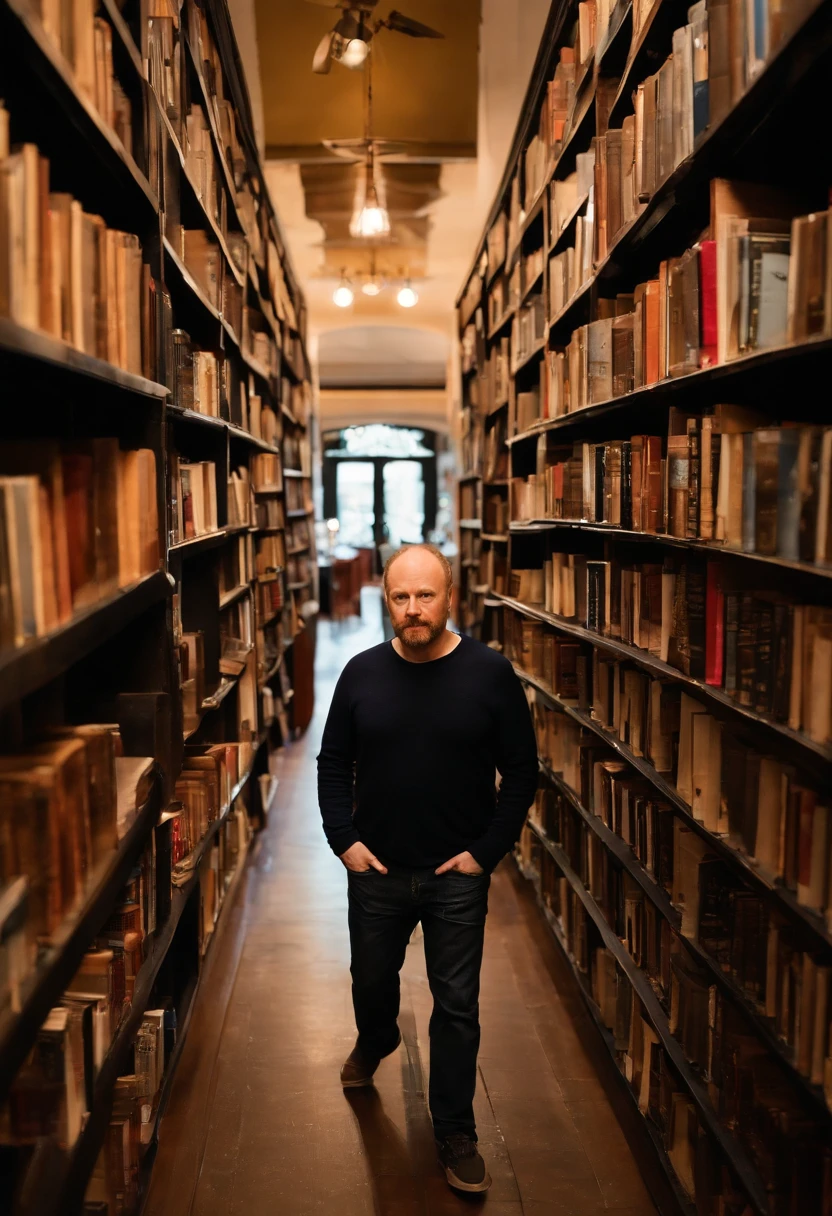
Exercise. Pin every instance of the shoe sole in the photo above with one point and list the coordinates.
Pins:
(365, 1082)
(470, 1188)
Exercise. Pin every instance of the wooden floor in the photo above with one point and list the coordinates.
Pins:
(257, 1124)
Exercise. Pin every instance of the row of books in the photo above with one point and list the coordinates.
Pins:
(86, 42)
(557, 111)
(205, 261)
(67, 801)
(750, 1092)
(772, 961)
(236, 564)
(77, 521)
(682, 863)
(570, 194)
(62, 270)
(722, 478)
(193, 489)
(767, 652)
(769, 810)
(298, 495)
(657, 1087)
(54, 1089)
(297, 452)
(729, 296)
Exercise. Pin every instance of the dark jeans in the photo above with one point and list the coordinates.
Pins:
(384, 911)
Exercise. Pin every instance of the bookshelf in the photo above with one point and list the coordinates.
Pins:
(157, 563)
(647, 542)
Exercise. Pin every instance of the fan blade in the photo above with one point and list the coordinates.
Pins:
(322, 60)
(406, 25)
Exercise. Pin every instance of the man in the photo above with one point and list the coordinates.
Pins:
(406, 784)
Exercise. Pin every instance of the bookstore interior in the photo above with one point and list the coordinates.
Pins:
(630, 470)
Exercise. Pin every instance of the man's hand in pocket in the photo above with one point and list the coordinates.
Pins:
(359, 859)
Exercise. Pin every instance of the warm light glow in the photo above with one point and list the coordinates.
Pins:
(333, 525)
(372, 287)
(343, 296)
(371, 221)
(354, 53)
(407, 297)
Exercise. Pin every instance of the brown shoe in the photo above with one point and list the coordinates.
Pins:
(359, 1068)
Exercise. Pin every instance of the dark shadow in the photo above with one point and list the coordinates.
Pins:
(405, 1174)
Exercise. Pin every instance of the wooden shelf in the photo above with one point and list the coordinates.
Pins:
(470, 523)
(45, 987)
(786, 899)
(684, 1204)
(196, 544)
(679, 385)
(84, 1153)
(234, 432)
(536, 350)
(58, 79)
(735, 1155)
(628, 860)
(236, 593)
(38, 347)
(297, 513)
(294, 473)
(499, 538)
(43, 659)
(643, 659)
(709, 549)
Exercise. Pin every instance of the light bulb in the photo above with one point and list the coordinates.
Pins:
(407, 297)
(371, 221)
(354, 53)
(343, 296)
(371, 288)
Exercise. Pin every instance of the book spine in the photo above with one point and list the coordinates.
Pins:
(714, 625)
(746, 658)
(696, 597)
(707, 304)
(732, 609)
(764, 656)
(626, 486)
(788, 496)
(694, 477)
(749, 492)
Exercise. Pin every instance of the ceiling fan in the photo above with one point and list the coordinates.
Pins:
(348, 42)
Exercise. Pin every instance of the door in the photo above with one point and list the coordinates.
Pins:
(355, 492)
(404, 502)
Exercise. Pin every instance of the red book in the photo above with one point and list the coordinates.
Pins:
(714, 625)
(707, 303)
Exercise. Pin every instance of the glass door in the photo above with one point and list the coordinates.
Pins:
(355, 503)
(404, 502)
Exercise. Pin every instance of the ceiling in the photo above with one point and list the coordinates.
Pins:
(424, 90)
(450, 105)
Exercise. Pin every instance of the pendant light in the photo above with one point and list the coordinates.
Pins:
(343, 294)
(407, 297)
(371, 220)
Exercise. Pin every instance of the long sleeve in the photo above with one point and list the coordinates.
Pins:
(516, 762)
(336, 761)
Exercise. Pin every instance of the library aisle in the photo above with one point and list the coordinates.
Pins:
(257, 1122)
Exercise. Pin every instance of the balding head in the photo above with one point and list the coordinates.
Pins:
(420, 560)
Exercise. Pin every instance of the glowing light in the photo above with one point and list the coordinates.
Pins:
(354, 53)
(343, 295)
(372, 287)
(407, 297)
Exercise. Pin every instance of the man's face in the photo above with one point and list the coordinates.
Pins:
(418, 598)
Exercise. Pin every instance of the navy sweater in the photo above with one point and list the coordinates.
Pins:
(409, 752)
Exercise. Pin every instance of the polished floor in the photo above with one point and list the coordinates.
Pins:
(257, 1124)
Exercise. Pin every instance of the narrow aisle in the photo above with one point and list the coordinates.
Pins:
(258, 1124)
